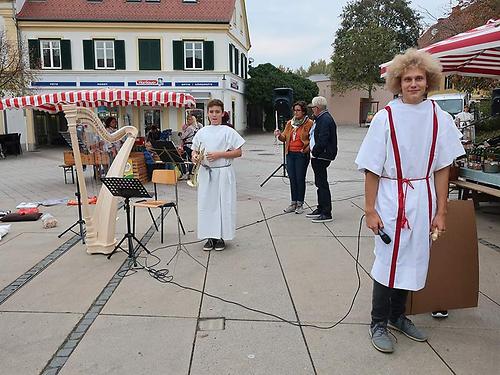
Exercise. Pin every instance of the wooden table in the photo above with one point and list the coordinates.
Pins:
(480, 186)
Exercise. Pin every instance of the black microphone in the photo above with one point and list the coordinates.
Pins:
(384, 236)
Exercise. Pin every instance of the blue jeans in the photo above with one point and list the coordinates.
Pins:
(296, 166)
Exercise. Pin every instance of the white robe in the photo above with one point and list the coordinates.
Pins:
(217, 187)
(414, 132)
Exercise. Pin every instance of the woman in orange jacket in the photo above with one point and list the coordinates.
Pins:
(296, 138)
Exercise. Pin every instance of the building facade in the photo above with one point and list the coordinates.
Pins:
(351, 107)
(198, 47)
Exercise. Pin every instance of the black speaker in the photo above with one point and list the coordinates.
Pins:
(283, 100)
(495, 102)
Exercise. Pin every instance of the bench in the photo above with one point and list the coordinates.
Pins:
(467, 189)
(66, 170)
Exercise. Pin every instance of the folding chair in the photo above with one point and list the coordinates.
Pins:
(164, 177)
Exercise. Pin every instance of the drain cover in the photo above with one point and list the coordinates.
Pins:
(211, 324)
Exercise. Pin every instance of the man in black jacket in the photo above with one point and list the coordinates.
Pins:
(323, 138)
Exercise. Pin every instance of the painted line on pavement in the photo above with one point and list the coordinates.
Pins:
(59, 359)
(34, 271)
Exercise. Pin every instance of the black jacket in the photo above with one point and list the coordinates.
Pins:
(325, 137)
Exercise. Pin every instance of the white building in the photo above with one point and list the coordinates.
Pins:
(199, 47)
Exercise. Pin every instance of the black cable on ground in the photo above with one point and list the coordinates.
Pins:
(162, 275)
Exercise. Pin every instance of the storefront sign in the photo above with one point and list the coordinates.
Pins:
(149, 82)
(105, 84)
(234, 84)
(52, 84)
(197, 84)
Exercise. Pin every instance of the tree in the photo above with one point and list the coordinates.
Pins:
(316, 67)
(15, 74)
(371, 33)
(264, 78)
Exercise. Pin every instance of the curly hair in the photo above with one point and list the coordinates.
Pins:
(413, 58)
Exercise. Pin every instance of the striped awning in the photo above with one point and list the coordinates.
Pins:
(93, 98)
(473, 53)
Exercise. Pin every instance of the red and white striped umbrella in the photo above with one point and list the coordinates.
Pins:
(93, 98)
(473, 53)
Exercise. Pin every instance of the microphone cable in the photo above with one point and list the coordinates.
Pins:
(163, 276)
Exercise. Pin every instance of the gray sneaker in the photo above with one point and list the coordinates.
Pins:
(380, 338)
(290, 208)
(300, 209)
(406, 326)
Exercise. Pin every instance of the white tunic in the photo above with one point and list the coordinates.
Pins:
(405, 266)
(217, 185)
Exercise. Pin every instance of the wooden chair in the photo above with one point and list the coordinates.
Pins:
(163, 177)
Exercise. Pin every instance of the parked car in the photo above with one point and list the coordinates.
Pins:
(451, 103)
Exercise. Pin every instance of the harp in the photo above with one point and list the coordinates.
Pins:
(100, 223)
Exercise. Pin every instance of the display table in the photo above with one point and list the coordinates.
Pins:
(478, 185)
(480, 177)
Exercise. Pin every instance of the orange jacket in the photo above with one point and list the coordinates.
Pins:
(285, 136)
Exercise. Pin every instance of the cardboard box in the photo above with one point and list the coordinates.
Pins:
(453, 277)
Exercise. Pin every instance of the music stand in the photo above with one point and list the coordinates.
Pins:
(80, 222)
(127, 188)
(167, 152)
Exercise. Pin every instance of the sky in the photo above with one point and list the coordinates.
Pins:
(293, 33)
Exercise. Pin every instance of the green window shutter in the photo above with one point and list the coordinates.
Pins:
(149, 54)
(242, 73)
(178, 54)
(66, 54)
(208, 55)
(34, 53)
(120, 55)
(246, 68)
(231, 57)
(236, 61)
(88, 54)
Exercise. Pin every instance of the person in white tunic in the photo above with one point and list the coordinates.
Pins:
(405, 156)
(216, 178)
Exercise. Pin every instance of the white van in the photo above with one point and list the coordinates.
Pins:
(451, 103)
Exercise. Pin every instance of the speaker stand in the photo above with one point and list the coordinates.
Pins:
(276, 172)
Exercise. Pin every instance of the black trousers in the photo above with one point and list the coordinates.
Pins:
(319, 167)
(387, 303)
(188, 167)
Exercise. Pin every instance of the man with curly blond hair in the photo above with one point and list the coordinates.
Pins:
(405, 156)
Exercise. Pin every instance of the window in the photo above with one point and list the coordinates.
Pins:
(104, 54)
(51, 54)
(149, 54)
(231, 58)
(193, 55)
(447, 83)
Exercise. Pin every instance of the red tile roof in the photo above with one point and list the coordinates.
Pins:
(203, 11)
